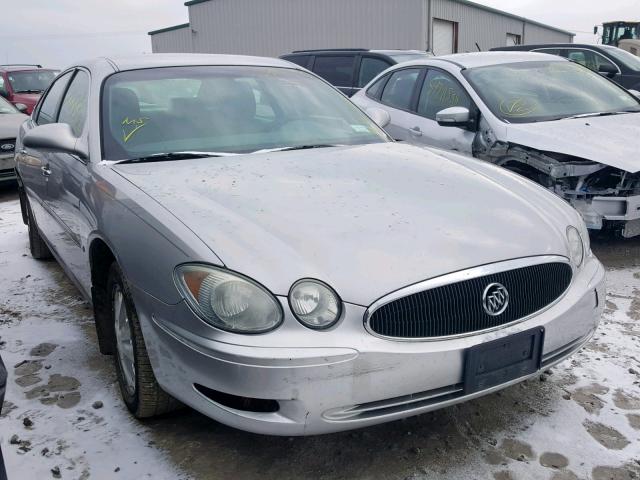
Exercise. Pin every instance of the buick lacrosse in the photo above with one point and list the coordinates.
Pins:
(256, 247)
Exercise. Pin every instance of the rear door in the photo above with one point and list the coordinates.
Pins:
(338, 70)
(399, 98)
(440, 90)
(34, 165)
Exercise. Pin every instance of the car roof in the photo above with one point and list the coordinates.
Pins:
(484, 59)
(389, 51)
(157, 60)
(549, 45)
(22, 67)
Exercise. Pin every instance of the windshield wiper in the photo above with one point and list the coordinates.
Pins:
(169, 156)
(298, 147)
(596, 114)
(29, 91)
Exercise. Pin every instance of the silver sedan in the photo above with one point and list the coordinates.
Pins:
(256, 247)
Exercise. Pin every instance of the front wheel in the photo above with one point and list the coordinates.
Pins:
(138, 385)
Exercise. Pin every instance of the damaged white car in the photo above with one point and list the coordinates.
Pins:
(549, 119)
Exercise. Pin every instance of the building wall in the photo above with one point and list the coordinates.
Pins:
(537, 34)
(172, 41)
(275, 27)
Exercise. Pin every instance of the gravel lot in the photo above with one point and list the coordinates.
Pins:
(63, 417)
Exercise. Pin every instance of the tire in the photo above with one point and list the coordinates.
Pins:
(37, 246)
(138, 385)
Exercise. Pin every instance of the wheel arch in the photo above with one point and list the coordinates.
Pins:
(101, 256)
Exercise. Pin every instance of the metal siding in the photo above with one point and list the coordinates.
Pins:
(275, 27)
(173, 41)
(537, 34)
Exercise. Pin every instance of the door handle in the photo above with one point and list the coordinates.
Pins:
(46, 171)
(415, 131)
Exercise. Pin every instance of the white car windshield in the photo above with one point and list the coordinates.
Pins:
(226, 109)
(541, 91)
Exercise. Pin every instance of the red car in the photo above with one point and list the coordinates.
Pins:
(24, 84)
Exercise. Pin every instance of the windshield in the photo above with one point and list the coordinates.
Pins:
(409, 57)
(35, 81)
(629, 59)
(227, 109)
(541, 91)
(6, 107)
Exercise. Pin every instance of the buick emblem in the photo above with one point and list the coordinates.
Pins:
(7, 146)
(495, 299)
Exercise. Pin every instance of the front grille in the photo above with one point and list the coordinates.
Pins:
(8, 173)
(457, 308)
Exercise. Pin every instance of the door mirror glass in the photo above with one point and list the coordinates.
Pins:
(607, 69)
(453, 117)
(21, 107)
(380, 116)
(54, 137)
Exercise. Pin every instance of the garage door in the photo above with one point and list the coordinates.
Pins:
(443, 37)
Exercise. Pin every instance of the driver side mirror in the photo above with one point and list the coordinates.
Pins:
(607, 69)
(379, 116)
(54, 137)
(21, 107)
(454, 117)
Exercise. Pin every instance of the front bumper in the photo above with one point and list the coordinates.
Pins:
(345, 378)
(7, 168)
(624, 211)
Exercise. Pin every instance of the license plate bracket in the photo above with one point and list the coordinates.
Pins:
(500, 361)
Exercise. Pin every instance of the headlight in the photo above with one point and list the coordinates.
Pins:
(576, 245)
(228, 300)
(314, 304)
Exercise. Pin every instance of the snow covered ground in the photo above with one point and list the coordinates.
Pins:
(581, 420)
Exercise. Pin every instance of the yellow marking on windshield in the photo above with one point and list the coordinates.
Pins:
(136, 123)
(517, 107)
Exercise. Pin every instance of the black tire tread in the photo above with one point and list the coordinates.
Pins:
(150, 400)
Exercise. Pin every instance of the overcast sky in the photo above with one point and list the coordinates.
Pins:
(59, 32)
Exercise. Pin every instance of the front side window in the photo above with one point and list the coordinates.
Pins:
(399, 89)
(74, 106)
(337, 70)
(588, 58)
(36, 81)
(370, 67)
(225, 109)
(630, 60)
(49, 107)
(542, 91)
(439, 91)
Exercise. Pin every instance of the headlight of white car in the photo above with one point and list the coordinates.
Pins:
(576, 245)
(314, 304)
(228, 300)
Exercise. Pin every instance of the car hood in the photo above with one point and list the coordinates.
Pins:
(611, 140)
(10, 124)
(365, 219)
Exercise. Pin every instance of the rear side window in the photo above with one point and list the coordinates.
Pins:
(370, 67)
(375, 90)
(74, 106)
(49, 107)
(337, 70)
(399, 89)
(302, 60)
(439, 91)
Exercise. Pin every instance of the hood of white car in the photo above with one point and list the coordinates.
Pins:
(612, 140)
(365, 219)
(10, 124)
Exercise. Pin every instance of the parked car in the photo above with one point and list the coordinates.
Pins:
(10, 120)
(619, 65)
(24, 84)
(350, 69)
(548, 119)
(259, 249)
(3, 386)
